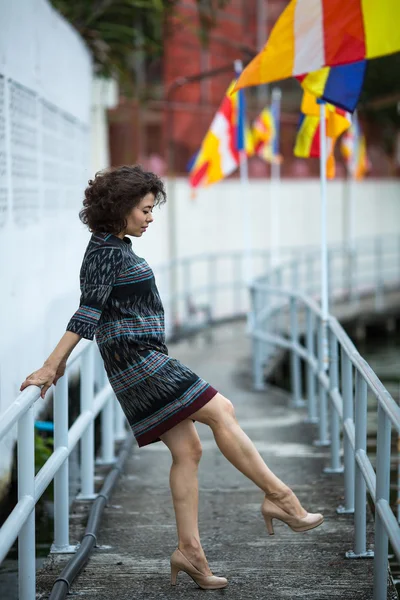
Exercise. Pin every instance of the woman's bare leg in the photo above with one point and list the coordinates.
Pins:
(184, 443)
(237, 447)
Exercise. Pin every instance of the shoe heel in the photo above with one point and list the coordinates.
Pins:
(174, 573)
(268, 522)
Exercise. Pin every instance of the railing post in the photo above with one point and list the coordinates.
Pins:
(258, 359)
(310, 275)
(379, 282)
(336, 466)
(237, 283)
(120, 420)
(61, 488)
(348, 420)
(107, 430)
(330, 277)
(382, 497)
(26, 487)
(353, 257)
(186, 289)
(211, 272)
(295, 364)
(311, 399)
(87, 439)
(360, 514)
(323, 404)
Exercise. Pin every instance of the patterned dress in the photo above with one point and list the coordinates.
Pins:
(120, 303)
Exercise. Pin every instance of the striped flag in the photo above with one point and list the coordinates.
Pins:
(218, 156)
(308, 135)
(354, 150)
(340, 86)
(266, 136)
(311, 34)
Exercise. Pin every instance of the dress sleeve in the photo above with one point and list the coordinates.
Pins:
(100, 271)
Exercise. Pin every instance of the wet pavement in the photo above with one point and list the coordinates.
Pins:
(138, 533)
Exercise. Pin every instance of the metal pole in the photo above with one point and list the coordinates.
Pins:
(360, 514)
(294, 357)
(26, 487)
(120, 429)
(245, 207)
(335, 467)
(87, 440)
(323, 407)
(61, 493)
(312, 406)
(275, 183)
(379, 279)
(324, 246)
(258, 363)
(107, 433)
(262, 34)
(382, 497)
(348, 419)
(172, 233)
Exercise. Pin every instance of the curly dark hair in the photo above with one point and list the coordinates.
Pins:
(112, 194)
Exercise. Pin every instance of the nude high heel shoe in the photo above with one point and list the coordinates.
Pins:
(271, 511)
(179, 562)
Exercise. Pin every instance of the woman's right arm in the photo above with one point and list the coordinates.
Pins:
(54, 367)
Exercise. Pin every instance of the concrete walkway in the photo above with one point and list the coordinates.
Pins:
(138, 531)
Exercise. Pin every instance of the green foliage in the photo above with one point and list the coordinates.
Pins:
(115, 29)
(43, 450)
(208, 13)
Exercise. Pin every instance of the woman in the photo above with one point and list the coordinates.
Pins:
(160, 396)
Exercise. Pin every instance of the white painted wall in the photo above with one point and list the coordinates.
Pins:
(45, 98)
(214, 220)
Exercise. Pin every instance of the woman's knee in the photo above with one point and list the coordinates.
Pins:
(190, 452)
(184, 443)
(218, 411)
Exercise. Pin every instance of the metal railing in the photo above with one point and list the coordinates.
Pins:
(21, 521)
(284, 315)
(224, 290)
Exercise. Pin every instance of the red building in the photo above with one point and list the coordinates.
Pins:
(177, 96)
(183, 90)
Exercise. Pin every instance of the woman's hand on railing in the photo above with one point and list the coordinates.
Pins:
(45, 377)
(60, 370)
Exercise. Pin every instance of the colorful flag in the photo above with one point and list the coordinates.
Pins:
(340, 86)
(218, 156)
(354, 150)
(308, 134)
(311, 34)
(266, 136)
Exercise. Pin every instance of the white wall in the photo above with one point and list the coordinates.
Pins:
(45, 94)
(215, 219)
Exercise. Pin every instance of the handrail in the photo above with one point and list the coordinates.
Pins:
(210, 290)
(275, 323)
(21, 520)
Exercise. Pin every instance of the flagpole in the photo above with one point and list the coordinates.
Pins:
(275, 183)
(324, 243)
(245, 195)
(353, 168)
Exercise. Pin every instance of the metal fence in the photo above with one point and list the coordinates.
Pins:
(96, 397)
(364, 269)
(284, 315)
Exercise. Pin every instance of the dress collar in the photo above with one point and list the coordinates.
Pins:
(111, 237)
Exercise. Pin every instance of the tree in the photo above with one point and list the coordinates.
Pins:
(115, 29)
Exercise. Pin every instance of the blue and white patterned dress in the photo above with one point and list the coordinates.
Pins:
(120, 304)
